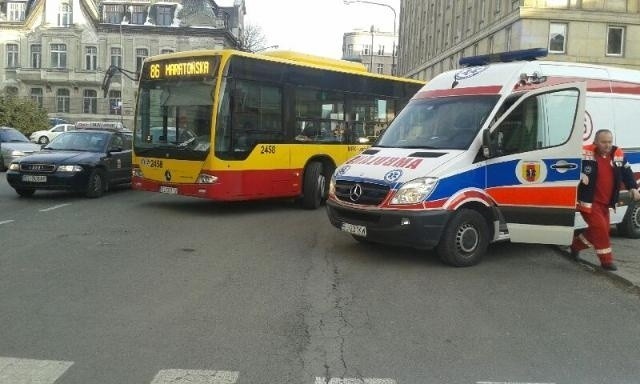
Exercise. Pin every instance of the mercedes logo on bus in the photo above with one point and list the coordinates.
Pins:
(355, 192)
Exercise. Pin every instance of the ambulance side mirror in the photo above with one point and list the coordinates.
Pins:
(488, 148)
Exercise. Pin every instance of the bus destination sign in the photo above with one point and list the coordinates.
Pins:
(173, 69)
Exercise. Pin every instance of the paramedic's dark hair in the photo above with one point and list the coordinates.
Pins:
(599, 131)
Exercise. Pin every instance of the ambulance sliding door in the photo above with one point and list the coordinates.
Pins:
(535, 165)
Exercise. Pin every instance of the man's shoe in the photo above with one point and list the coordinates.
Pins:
(609, 267)
(575, 255)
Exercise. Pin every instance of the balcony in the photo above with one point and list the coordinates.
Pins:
(29, 75)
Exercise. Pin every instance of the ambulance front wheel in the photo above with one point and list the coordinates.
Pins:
(630, 225)
(465, 239)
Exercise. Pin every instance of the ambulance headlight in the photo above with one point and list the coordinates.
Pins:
(332, 185)
(415, 191)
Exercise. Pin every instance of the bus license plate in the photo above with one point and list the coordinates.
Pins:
(34, 178)
(169, 190)
(358, 230)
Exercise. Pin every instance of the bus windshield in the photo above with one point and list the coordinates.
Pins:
(174, 116)
(440, 123)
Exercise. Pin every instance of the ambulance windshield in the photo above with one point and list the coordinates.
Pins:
(439, 123)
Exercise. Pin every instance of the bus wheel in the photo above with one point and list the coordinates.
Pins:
(314, 187)
(95, 186)
(465, 239)
(630, 225)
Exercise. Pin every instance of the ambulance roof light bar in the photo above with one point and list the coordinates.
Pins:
(503, 57)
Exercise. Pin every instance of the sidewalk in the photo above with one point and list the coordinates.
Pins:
(626, 256)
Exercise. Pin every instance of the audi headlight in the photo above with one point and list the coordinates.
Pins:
(15, 152)
(69, 168)
(415, 191)
(14, 167)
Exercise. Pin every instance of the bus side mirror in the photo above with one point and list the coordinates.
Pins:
(488, 149)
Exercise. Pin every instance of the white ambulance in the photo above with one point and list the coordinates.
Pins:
(486, 153)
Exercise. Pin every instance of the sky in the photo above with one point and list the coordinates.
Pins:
(315, 26)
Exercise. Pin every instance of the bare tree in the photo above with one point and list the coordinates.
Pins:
(252, 38)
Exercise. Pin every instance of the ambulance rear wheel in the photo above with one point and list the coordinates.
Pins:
(465, 239)
(314, 187)
(630, 225)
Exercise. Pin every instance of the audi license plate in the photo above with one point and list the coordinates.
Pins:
(169, 190)
(34, 178)
(358, 230)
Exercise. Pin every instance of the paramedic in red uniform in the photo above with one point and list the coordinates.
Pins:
(604, 169)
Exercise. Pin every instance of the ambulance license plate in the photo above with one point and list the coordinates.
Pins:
(169, 190)
(358, 230)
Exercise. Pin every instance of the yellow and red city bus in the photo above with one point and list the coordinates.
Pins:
(229, 125)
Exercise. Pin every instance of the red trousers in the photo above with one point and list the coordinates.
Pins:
(597, 235)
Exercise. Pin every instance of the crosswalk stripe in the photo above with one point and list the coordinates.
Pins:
(334, 380)
(193, 376)
(27, 371)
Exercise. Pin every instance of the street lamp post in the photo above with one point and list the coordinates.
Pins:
(395, 16)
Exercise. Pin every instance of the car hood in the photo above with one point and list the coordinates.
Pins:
(62, 157)
(395, 165)
(21, 146)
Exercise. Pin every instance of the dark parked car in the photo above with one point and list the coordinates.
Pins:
(87, 161)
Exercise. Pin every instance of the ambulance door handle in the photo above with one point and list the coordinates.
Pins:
(563, 166)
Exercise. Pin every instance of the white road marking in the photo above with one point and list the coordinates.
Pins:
(6, 222)
(27, 371)
(184, 376)
(333, 380)
(54, 207)
(507, 382)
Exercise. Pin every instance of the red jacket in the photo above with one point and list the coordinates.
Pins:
(622, 174)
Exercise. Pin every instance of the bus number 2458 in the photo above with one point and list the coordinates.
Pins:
(267, 149)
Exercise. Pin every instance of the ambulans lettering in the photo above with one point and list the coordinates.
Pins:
(401, 162)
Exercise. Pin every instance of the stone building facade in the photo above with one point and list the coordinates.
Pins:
(435, 34)
(58, 51)
(375, 49)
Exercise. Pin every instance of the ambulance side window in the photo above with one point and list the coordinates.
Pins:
(540, 121)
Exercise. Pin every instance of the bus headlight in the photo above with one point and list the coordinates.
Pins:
(69, 168)
(137, 172)
(205, 178)
(415, 191)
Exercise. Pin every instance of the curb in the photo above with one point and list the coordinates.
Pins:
(597, 269)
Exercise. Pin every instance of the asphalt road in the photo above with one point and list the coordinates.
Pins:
(147, 288)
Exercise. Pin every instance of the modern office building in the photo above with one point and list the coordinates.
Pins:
(435, 34)
(375, 49)
(58, 51)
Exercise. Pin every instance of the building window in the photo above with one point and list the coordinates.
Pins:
(15, 11)
(116, 56)
(65, 15)
(380, 68)
(498, 6)
(164, 16)
(141, 54)
(90, 101)
(36, 56)
(62, 100)
(615, 41)
(115, 103)
(58, 55)
(349, 51)
(366, 49)
(507, 39)
(490, 44)
(12, 55)
(112, 13)
(381, 49)
(557, 37)
(166, 50)
(36, 96)
(138, 14)
(91, 58)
